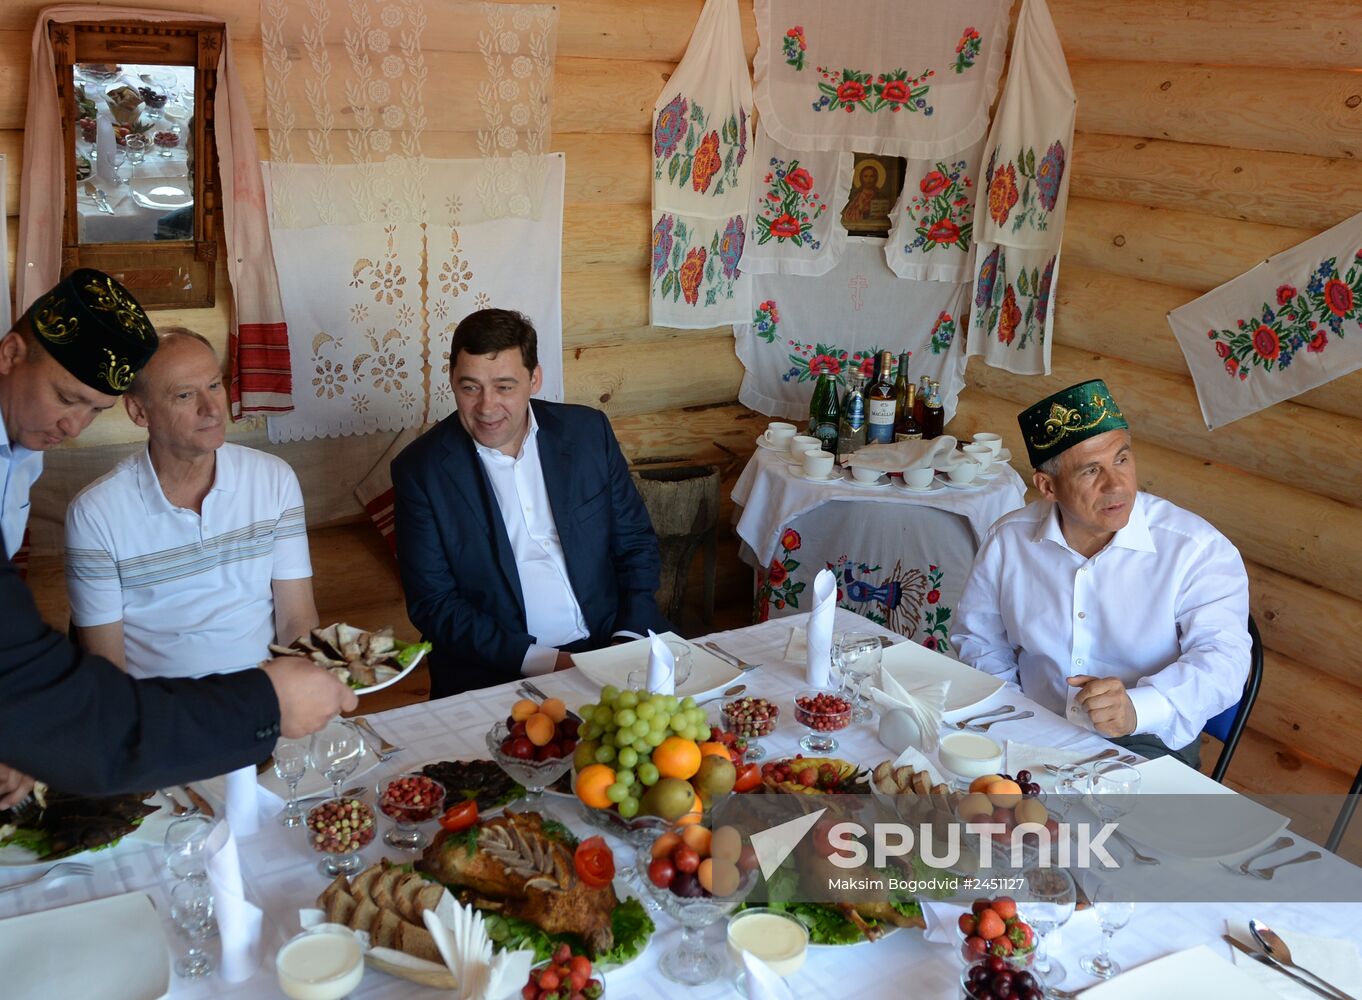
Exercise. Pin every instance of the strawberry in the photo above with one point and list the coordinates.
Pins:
(1021, 936)
(980, 905)
(969, 924)
(1005, 907)
(1000, 946)
(976, 946)
(991, 925)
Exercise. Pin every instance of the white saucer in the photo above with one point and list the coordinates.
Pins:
(768, 446)
(931, 487)
(972, 485)
(878, 484)
(836, 476)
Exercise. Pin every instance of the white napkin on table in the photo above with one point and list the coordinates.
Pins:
(819, 661)
(661, 666)
(762, 982)
(243, 807)
(238, 920)
(467, 950)
(903, 455)
(1029, 757)
(926, 703)
(1332, 959)
(105, 145)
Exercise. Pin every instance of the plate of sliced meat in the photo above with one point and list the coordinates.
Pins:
(367, 661)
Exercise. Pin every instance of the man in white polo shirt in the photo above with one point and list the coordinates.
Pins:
(191, 556)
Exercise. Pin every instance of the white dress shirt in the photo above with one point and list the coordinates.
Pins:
(552, 614)
(1163, 607)
(20, 468)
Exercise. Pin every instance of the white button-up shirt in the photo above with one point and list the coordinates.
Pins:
(552, 614)
(20, 468)
(1163, 607)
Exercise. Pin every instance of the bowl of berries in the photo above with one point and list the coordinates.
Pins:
(993, 929)
(534, 746)
(564, 975)
(994, 979)
(823, 712)
(338, 828)
(750, 719)
(410, 800)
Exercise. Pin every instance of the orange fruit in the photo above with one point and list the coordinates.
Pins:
(705, 873)
(698, 838)
(554, 709)
(523, 709)
(1004, 793)
(539, 728)
(982, 782)
(677, 758)
(665, 844)
(592, 781)
(716, 748)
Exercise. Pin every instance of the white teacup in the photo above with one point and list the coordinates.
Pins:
(862, 475)
(981, 453)
(993, 441)
(818, 464)
(919, 479)
(778, 434)
(801, 443)
(963, 471)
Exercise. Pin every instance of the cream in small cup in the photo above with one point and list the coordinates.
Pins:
(778, 434)
(981, 453)
(994, 442)
(324, 963)
(818, 464)
(802, 442)
(862, 475)
(919, 479)
(963, 471)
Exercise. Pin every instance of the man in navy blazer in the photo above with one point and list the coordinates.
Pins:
(521, 538)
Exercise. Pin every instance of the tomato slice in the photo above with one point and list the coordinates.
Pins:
(749, 777)
(460, 817)
(594, 862)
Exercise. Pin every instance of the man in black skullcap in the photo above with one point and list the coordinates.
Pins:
(71, 719)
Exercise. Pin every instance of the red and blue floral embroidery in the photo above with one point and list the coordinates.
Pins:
(849, 89)
(967, 49)
(810, 360)
(1039, 192)
(790, 206)
(687, 270)
(687, 150)
(943, 332)
(774, 587)
(765, 320)
(943, 210)
(793, 46)
(999, 303)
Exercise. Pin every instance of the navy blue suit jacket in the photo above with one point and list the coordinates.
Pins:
(458, 570)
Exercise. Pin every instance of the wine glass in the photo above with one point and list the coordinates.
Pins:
(185, 840)
(290, 764)
(1047, 902)
(1114, 908)
(191, 907)
(336, 750)
(1112, 788)
(856, 655)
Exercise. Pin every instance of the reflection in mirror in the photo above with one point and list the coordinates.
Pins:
(134, 162)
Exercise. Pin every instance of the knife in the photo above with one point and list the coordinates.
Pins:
(1267, 960)
(199, 801)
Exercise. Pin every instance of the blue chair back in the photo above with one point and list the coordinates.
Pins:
(1229, 725)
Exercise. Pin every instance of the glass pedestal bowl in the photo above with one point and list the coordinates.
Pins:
(534, 775)
(339, 828)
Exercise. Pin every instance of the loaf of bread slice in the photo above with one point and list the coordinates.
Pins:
(389, 904)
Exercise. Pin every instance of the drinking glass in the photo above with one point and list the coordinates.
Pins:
(336, 750)
(167, 149)
(1114, 908)
(856, 655)
(191, 907)
(136, 146)
(1046, 902)
(185, 840)
(290, 764)
(1112, 788)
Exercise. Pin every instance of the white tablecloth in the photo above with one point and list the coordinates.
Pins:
(281, 873)
(130, 222)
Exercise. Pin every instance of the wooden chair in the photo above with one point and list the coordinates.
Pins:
(1345, 814)
(1229, 725)
(683, 504)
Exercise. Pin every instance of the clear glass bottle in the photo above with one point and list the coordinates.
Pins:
(852, 427)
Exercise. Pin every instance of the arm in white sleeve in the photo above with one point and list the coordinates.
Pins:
(1212, 617)
(980, 634)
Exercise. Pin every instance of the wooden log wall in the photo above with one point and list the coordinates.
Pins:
(1210, 135)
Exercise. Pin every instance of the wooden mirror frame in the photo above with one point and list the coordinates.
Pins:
(155, 270)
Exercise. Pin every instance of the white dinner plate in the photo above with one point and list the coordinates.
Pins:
(420, 655)
(112, 948)
(152, 830)
(163, 194)
(613, 664)
(912, 664)
(974, 484)
(1196, 972)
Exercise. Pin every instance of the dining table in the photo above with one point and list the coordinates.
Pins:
(281, 873)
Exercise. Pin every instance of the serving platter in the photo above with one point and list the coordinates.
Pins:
(151, 830)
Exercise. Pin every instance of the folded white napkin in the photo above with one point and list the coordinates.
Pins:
(238, 920)
(104, 147)
(243, 809)
(1332, 959)
(661, 666)
(1029, 757)
(926, 703)
(762, 982)
(818, 664)
(902, 454)
(467, 950)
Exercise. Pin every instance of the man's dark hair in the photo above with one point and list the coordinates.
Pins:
(491, 331)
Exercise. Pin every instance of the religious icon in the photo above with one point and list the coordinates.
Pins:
(876, 182)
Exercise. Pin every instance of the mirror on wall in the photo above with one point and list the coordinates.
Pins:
(137, 120)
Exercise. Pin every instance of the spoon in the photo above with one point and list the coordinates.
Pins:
(732, 692)
(1277, 949)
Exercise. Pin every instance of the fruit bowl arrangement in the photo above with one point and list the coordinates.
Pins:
(993, 979)
(802, 775)
(1008, 800)
(533, 769)
(409, 800)
(993, 929)
(564, 976)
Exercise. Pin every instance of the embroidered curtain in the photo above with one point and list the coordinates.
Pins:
(934, 218)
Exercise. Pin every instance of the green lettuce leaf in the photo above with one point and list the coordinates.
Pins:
(630, 922)
(408, 651)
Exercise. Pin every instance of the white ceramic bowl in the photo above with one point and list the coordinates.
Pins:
(919, 479)
(993, 441)
(970, 755)
(963, 471)
(865, 475)
(818, 464)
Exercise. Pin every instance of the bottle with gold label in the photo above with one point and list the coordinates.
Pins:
(880, 403)
(933, 415)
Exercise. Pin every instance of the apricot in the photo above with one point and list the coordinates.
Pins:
(554, 709)
(1031, 811)
(665, 844)
(1004, 793)
(982, 782)
(698, 838)
(975, 805)
(539, 728)
(523, 709)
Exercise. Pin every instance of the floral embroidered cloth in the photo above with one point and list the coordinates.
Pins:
(1019, 213)
(934, 218)
(879, 76)
(702, 171)
(841, 320)
(1290, 324)
(794, 220)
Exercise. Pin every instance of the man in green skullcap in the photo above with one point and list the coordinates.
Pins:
(75, 720)
(1115, 607)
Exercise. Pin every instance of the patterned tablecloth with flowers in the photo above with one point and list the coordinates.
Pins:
(901, 558)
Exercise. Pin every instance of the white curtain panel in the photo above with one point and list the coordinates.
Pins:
(933, 221)
(842, 318)
(1288, 325)
(702, 172)
(879, 76)
(1019, 213)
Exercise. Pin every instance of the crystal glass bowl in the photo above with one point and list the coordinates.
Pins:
(534, 775)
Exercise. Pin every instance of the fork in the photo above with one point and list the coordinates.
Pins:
(1266, 873)
(61, 869)
(385, 750)
(1136, 856)
(534, 692)
(984, 727)
(736, 661)
(1243, 867)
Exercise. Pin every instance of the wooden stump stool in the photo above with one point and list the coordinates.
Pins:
(683, 503)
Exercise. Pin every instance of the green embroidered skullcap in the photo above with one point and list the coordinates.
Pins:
(95, 329)
(1071, 415)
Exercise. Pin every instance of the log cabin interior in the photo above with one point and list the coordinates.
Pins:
(1209, 137)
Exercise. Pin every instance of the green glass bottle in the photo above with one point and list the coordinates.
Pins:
(825, 411)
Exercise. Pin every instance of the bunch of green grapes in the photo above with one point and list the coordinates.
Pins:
(625, 728)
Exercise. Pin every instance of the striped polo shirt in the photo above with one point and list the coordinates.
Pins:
(194, 591)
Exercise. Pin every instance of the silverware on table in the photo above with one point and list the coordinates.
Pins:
(385, 750)
(735, 661)
(1265, 874)
(59, 870)
(98, 196)
(732, 692)
(534, 692)
(200, 803)
(1136, 856)
(1267, 960)
(984, 715)
(325, 793)
(983, 728)
(1243, 867)
(1278, 951)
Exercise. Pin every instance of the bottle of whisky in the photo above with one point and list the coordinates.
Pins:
(933, 416)
(902, 386)
(924, 384)
(851, 429)
(880, 403)
(906, 425)
(824, 411)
